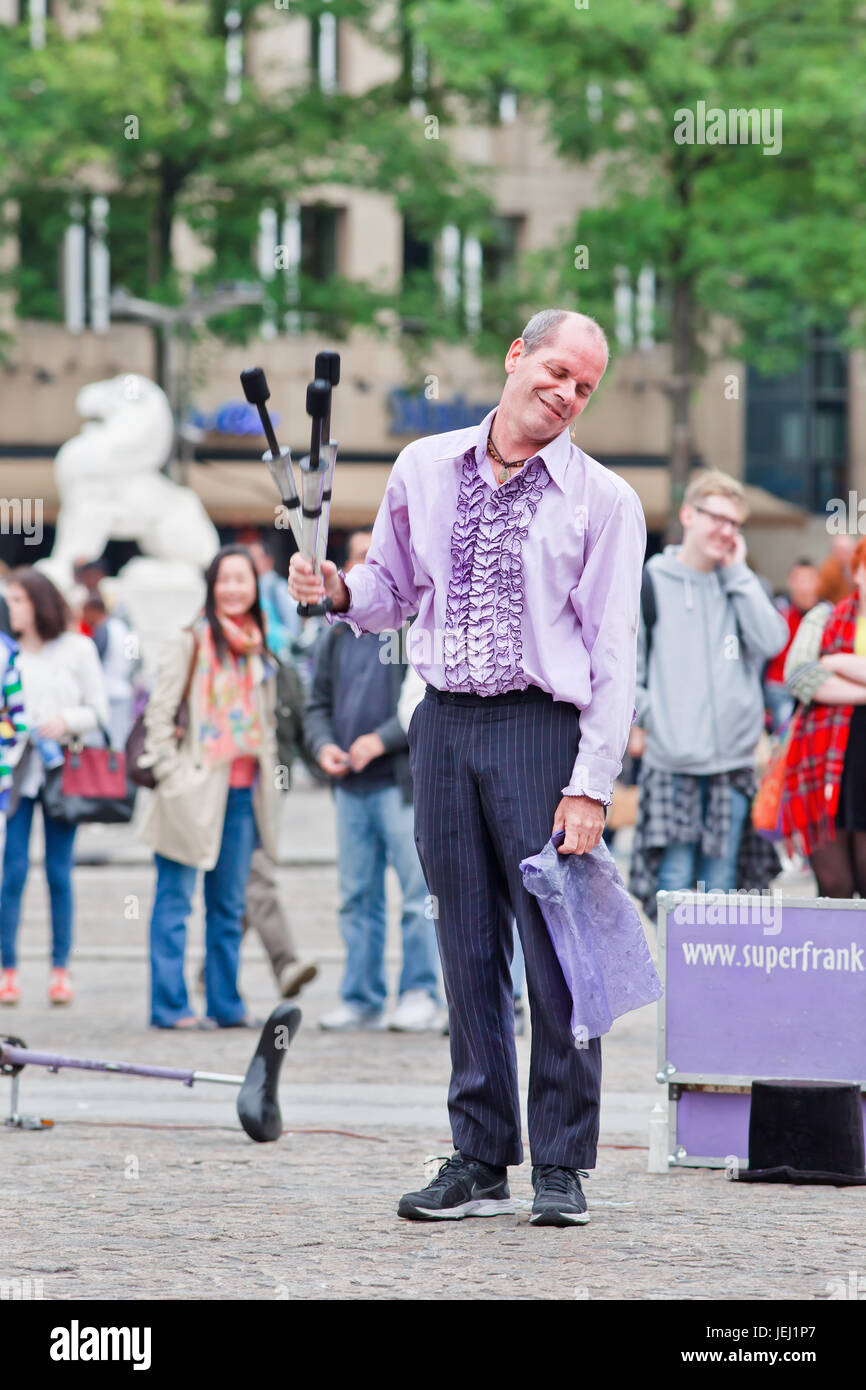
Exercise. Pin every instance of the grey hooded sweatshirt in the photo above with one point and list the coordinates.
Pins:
(701, 703)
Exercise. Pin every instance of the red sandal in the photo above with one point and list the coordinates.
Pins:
(59, 988)
(10, 991)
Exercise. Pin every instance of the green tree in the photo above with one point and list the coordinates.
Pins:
(137, 103)
(751, 249)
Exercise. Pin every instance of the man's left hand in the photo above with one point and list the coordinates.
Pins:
(582, 819)
(364, 750)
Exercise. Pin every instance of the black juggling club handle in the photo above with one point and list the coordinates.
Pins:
(256, 390)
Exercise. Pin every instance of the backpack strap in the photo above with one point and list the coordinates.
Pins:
(648, 609)
(191, 672)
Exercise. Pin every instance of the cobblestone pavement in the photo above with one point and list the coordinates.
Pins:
(146, 1189)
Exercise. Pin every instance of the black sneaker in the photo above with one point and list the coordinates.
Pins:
(559, 1199)
(463, 1187)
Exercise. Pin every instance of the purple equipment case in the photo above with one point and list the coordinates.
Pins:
(757, 987)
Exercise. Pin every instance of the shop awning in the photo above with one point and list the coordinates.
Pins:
(241, 493)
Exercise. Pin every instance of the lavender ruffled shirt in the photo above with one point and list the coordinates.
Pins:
(533, 582)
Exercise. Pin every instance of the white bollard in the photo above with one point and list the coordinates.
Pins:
(657, 1162)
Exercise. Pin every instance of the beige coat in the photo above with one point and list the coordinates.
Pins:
(185, 814)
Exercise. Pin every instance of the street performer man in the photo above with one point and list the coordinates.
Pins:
(521, 556)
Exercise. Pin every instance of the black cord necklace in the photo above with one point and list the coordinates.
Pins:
(503, 463)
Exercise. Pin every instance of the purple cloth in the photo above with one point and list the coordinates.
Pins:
(533, 582)
(596, 934)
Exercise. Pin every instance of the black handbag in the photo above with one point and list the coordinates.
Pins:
(78, 809)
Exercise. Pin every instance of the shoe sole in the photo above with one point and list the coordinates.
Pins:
(413, 1027)
(359, 1027)
(551, 1217)
(488, 1207)
(299, 981)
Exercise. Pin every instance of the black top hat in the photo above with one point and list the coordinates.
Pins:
(806, 1132)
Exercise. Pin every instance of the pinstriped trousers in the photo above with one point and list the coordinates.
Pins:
(487, 775)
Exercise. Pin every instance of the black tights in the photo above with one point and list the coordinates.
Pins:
(840, 865)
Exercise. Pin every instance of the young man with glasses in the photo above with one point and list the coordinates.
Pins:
(707, 628)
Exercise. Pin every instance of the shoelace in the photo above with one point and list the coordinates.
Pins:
(443, 1175)
(557, 1178)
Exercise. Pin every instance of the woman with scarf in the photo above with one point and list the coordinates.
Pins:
(824, 798)
(216, 796)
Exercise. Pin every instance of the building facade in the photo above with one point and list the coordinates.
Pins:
(795, 443)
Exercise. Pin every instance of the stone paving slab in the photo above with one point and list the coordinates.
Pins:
(147, 1189)
(124, 1213)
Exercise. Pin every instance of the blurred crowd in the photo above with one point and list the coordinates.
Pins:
(732, 680)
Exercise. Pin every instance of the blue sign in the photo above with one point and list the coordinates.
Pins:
(413, 413)
(232, 417)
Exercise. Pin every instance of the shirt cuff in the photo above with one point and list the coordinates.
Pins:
(805, 681)
(593, 777)
(80, 719)
(346, 617)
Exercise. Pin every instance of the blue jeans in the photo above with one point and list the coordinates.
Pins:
(518, 964)
(780, 702)
(225, 888)
(374, 828)
(59, 845)
(679, 868)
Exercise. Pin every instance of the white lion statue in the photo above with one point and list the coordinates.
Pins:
(110, 488)
(110, 485)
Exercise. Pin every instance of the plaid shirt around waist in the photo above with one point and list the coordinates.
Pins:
(669, 812)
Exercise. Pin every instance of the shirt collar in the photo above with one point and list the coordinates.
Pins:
(554, 455)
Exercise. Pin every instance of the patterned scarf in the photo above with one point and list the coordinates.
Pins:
(13, 721)
(228, 720)
(816, 753)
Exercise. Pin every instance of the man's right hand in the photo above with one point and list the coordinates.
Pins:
(333, 760)
(307, 587)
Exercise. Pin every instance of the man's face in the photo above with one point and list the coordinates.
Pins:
(712, 524)
(549, 388)
(803, 587)
(260, 557)
(359, 544)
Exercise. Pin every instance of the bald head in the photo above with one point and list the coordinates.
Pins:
(543, 329)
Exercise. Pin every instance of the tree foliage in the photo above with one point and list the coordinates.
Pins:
(135, 104)
(751, 249)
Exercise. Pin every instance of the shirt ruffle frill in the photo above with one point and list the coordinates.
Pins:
(483, 641)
